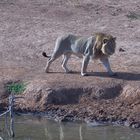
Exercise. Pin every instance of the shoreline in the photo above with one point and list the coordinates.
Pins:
(68, 118)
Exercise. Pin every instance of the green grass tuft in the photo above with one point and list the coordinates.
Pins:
(16, 87)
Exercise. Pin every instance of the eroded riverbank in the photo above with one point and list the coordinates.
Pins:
(104, 101)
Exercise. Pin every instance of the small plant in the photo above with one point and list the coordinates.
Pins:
(133, 16)
(15, 87)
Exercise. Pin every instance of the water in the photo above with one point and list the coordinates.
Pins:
(40, 128)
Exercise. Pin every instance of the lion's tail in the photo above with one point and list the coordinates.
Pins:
(45, 55)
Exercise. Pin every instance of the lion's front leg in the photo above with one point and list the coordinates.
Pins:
(64, 63)
(84, 65)
(106, 64)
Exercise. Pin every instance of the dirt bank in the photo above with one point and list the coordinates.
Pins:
(29, 27)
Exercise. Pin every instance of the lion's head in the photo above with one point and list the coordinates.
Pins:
(105, 43)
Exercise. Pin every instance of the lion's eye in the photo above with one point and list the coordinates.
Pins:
(105, 41)
(114, 38)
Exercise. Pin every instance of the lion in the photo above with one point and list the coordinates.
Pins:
(97, 46)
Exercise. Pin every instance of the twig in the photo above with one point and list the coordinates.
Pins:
(11, 103)
(11, 112)
(6, 124)
(4, 113)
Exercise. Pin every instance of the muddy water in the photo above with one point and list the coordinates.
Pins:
(36, 128)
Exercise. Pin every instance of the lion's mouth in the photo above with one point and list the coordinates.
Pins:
(110, 53)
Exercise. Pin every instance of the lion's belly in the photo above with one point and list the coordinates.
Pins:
(79, 47)
(79, 55)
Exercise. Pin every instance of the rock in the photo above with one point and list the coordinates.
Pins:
(121, 50)
(67, 118)
(135, 125)
(106, 91)
(130, 93)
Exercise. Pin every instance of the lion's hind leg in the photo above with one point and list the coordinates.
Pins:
(53, 58)
(64, 62)
(48, 64)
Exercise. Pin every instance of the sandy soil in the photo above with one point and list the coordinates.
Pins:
(28, 27)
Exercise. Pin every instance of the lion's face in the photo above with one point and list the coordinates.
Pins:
(108, 46)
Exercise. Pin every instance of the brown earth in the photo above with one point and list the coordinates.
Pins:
(28, 27)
